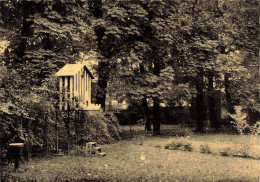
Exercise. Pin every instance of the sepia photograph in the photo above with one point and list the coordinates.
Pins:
(129, 91)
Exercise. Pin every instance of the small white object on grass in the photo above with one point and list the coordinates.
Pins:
(142, 157)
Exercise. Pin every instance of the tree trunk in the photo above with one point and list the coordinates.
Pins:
(95, 7)
(47, 44)
(145, 106)
(25, 32)
(212, 113)
(156, 116)
(102, 84)
(146, 114)
(199, 106)
(156, 103)
(230, 106)
(45, 133)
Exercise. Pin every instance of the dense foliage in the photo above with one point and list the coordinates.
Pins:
(198, 55)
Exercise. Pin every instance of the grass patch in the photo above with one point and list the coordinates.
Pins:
(143, 158)
(246, 146)
(126, 161)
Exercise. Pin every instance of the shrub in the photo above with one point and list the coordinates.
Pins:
(187, 147)
(244, 151)
(255, 128)
(205, 149)
(102, 126)
(179, 144)
(240, 122)
(113, 125)
(226, 151)
(241, 125)
(175, 145)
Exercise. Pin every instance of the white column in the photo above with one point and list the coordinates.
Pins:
(66, 93)
(74, 85)
(60, 90)
(71, 89)
(89, 88)
(78, 84)
(84, 86)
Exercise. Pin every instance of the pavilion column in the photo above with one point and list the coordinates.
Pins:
(84, 86)
(66, 93)
(89, 88)
(71, 90)
(75, 88)
(61, 94)
(79, 85)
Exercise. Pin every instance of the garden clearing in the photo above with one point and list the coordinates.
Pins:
(144, 159)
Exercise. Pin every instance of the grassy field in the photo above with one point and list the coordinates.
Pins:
(145, 159)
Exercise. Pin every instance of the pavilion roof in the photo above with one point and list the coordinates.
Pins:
(72, 69)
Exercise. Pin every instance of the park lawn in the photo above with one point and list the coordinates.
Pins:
(141, 159)
(217, 142)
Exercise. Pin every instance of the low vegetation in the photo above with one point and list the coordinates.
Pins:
(129, 161)
(205, 149)
(179, 144)
(245, 148)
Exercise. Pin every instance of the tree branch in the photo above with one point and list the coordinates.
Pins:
(217, 10)
(193, 8)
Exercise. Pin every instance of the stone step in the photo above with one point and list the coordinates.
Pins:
(92, 143)
(102, 154)
(90, 147)
(97, 150)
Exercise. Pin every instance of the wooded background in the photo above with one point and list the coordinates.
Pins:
(197, 59)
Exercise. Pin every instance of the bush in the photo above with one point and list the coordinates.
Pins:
(226, 152)
(175, 145)
(102, 127)
(244, 151)
(240, 122)
(179, 144)
(205, 149)
(255, 128)
(187, 147)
